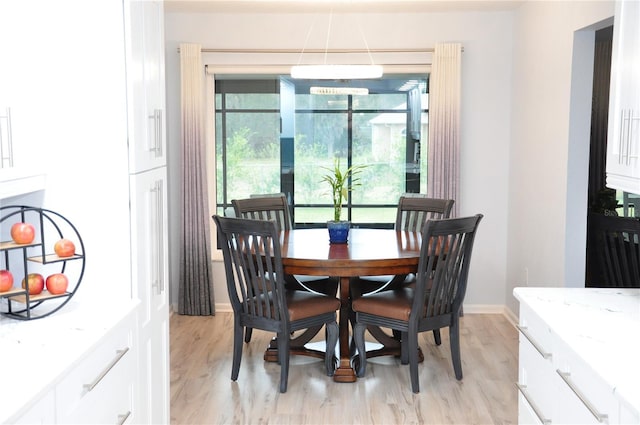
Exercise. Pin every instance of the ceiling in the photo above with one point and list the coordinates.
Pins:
(314, 6)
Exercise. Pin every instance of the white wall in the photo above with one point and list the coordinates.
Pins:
(486, 112)
(549, 142)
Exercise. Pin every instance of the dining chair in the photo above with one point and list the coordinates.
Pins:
(265, 207)
(443, 267)
(412, 212)
(259, 299)
(619, 241)
(276, 207)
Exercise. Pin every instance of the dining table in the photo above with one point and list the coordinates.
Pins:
(368, 252)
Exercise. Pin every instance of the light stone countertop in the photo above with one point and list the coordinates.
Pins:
(602, 326)
(36, 354)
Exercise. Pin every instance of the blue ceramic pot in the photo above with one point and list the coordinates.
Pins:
(338, 231)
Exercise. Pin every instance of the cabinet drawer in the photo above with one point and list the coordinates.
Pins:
(527, 415)
(586, 397)
(100, 388)
(537, 381)
(536, 331)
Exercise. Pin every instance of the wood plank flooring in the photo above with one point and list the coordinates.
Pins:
(202, 391)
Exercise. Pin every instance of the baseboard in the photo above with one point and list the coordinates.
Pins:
(223, 308)
(483, 309)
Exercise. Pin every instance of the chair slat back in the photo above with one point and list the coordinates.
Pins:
(253, 262)
(621, 240)
(414, 210)
(265, 207)
(444, 264)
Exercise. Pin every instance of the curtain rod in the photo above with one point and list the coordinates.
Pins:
(298, 51)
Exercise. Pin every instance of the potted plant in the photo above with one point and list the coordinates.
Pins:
(341, 184)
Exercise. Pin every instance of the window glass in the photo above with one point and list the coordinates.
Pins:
(380, 101)
(251, 161)
(270, 142)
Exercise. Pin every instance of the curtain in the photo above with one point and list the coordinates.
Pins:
(195, 294)
(443, 169)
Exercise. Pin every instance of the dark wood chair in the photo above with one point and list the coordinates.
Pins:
(255, 282)
(434, 302)
(616, 241)
(275, 207)
(265, 207)
(412, 213)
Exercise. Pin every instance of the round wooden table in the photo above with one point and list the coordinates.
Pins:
(369, 252)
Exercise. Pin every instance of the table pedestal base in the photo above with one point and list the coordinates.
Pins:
(344, 372)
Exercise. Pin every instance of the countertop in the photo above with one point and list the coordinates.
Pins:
(601, 325)
(35, 354)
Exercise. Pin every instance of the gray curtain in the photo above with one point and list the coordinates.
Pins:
(195, 294)
(443, 170)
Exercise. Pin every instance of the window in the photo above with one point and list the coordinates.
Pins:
(273, 136)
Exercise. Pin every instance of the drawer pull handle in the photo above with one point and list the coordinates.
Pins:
(525, 394)
(119, 355)
(566, 377)
(123, 418)
(523, 331)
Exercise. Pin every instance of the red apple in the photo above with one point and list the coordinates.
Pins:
(6, 280)
(57, 284)
(23, 233)
(36, 283)
(64, 248)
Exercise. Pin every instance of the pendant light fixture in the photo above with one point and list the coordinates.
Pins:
(327, 71)
(358, 91)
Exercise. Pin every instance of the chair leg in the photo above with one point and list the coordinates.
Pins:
(454, 339)
(330, 350)
(412, 347)
(247, 335)
(436, 336)
(404, 348)
(237, 350)
(358, 336)
(283, 357)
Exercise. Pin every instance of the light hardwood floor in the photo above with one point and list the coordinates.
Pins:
(202, 391)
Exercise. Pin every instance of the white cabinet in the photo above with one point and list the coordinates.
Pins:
(623, 142)
(555, 384)
(149, 245)
(144, 28)
(145, 73)
(99, 383)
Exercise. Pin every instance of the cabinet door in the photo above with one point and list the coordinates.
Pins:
(145, 74)
(150, 248)
(623, 143)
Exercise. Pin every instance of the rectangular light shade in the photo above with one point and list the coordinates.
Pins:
(339, 90)
(336, 72)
